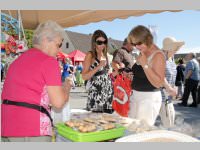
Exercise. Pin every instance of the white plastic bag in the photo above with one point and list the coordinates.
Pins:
(61, 115)
(167, 114)
(88, 85)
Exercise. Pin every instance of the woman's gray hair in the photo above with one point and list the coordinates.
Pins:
(49, 30)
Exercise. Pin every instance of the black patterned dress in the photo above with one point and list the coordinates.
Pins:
(100, 94)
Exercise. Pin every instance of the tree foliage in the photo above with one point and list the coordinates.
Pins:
(29, 37)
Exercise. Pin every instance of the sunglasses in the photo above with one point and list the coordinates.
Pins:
(101, 42)
(135, 44)
(60, 45)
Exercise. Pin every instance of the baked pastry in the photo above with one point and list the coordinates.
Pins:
(87, 128)
(70, 123)
(108, 126)
(102, 121)
(90, 120)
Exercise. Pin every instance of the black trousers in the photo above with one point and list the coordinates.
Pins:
(198, 95)
(190, 86)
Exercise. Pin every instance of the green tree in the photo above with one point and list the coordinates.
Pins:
(29, 37)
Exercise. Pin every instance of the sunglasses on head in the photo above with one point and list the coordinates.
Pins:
(101, 42)
(135, 44)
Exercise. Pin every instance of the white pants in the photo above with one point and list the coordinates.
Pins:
(145, 106)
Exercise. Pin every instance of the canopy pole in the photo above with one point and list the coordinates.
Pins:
(19, 23)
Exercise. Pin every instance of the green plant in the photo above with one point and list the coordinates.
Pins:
(29, 37)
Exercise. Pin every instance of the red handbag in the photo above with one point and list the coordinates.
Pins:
(122, 93)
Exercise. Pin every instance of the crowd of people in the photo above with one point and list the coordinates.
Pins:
(68, 70)
(191, 81)
(154, 75)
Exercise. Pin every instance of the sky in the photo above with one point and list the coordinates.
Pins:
(184, 26)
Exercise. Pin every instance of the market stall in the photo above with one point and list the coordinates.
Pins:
(87, 126)
(61, 56)
(76, 56)
(13, 40)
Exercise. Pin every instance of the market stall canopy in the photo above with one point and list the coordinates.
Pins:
(62, 55)
(77, 55)
(69, 18)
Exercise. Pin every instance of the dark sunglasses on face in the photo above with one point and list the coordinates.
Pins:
(101, 42)
(135, 44)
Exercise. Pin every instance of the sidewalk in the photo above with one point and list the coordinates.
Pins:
(78, 90)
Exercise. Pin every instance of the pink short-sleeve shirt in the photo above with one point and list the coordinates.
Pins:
(26, 81)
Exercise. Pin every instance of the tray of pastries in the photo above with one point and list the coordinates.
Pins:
(91, 128)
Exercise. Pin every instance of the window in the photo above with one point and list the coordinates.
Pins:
(67, 45)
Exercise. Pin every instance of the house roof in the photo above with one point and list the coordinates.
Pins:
(83, 42)
(80, 41)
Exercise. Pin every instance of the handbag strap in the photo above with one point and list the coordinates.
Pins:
(32, 106)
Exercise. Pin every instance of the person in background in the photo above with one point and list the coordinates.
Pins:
(170, 47)
(65, 68)
(122, 58)
(191, 80)
(72, 74)
(148, 76)
(79, 69)
(198, 91)
(28, 93)
(169, 90)
(3, 62)
(95, 70)
(180, 77)
(2, 71)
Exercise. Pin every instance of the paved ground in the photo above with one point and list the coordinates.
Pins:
(187, 118)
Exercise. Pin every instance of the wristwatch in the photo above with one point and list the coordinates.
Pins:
(146, 66)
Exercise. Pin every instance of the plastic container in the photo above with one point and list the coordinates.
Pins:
(76, 136)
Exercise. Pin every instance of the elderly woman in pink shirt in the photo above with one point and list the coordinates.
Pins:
(32, 84)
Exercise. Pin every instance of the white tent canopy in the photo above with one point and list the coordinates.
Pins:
(69, 18)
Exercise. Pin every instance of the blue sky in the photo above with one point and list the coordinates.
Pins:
(184, 26)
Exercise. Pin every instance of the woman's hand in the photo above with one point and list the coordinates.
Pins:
(102, 63)
(172, 91)
(59, 95)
